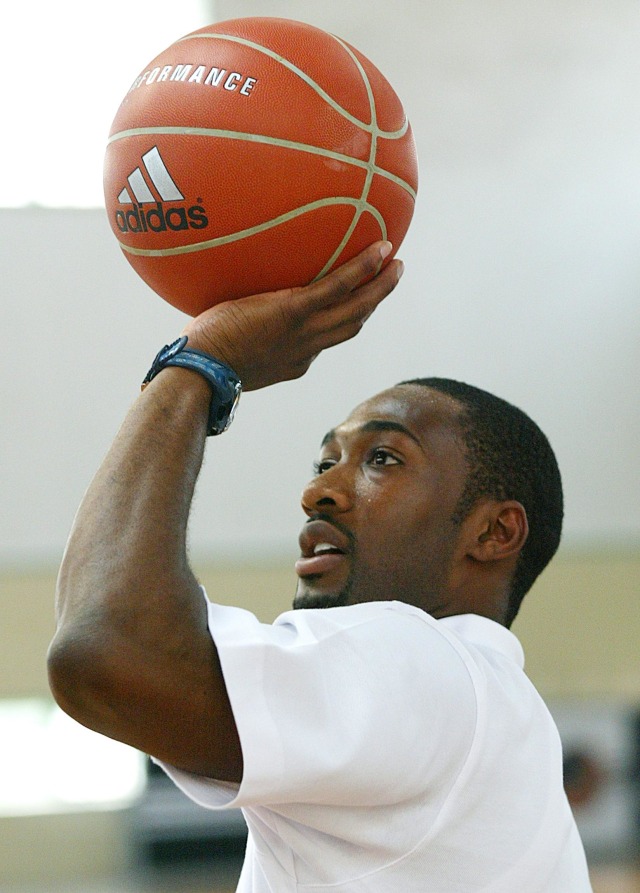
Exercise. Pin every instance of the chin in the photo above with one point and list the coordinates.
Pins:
(308, 597)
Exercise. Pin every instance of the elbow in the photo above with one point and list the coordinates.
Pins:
(73, 667)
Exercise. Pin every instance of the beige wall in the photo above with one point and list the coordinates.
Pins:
(580, 627)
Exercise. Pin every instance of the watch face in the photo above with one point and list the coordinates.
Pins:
(237, 387)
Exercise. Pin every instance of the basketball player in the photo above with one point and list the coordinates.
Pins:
(383, 735)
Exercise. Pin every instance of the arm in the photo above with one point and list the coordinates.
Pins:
(132, 657)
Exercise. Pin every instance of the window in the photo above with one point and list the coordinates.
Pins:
(51, 764)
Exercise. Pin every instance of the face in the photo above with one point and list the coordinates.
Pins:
(380, 506)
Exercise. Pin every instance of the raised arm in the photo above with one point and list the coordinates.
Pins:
(132, 657)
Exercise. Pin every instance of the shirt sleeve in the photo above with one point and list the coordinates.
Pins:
(364, 705)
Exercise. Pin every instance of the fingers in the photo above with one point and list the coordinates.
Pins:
(364, 265)
(345, 279)
(343, 319)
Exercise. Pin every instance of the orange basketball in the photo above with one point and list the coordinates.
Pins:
(252, 155)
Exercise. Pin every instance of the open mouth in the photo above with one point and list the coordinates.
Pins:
(323, 548)
(326, 549)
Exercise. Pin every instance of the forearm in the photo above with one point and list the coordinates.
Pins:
(131, 622)
(130, 530)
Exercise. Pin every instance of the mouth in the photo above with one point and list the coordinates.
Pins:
(323, 548)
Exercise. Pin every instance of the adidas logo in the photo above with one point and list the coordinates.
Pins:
(157, 218)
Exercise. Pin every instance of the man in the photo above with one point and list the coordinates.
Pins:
(382, 736)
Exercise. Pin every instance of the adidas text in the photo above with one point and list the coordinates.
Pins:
(159, 219)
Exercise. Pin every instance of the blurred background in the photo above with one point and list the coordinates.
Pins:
(523, 277)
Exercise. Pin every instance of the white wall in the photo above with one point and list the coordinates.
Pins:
(523, 276)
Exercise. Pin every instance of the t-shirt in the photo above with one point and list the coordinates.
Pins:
(388, 751)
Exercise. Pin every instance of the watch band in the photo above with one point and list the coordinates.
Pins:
(226, 387)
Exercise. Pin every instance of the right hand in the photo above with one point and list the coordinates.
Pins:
(276, 336)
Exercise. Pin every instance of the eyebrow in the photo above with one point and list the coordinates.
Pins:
(374, 426)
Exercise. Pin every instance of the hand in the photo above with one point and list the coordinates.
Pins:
(276, 336)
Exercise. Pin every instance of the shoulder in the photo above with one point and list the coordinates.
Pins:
(390, 621)
(397, 640)
(391, 626)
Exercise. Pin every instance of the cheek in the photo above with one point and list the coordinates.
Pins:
(402, 537)
(392, 532)
(403, 519)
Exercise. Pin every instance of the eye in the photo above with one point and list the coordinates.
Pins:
(382, 457)
(323, 465)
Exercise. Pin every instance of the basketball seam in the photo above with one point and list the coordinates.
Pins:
(255, 230)
(303, 76)
(266, 140)
(366, 187)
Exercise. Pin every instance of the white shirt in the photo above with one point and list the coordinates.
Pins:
(387, 751)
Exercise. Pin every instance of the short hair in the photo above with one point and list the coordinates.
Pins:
(508, 457)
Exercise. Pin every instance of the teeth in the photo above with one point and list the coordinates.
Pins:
(321, 548)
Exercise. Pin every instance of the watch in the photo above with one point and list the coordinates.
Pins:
(226, 387)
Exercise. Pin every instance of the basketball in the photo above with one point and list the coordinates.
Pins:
(253, 155)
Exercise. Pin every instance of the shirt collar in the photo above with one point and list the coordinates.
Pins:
(482, 631)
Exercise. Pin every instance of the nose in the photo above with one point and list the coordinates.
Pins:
(329, 492)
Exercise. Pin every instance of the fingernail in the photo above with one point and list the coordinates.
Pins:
(400, 270)
(385, 249)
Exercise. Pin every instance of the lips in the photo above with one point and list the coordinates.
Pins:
(323, 546)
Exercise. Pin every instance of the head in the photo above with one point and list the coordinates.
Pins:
(434, 493)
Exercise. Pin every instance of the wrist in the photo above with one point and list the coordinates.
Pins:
(223, 383)
(182, 399)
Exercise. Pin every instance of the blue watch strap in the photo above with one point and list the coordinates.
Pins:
(226, 387)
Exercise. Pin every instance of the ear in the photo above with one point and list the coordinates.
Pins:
(499, 530)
